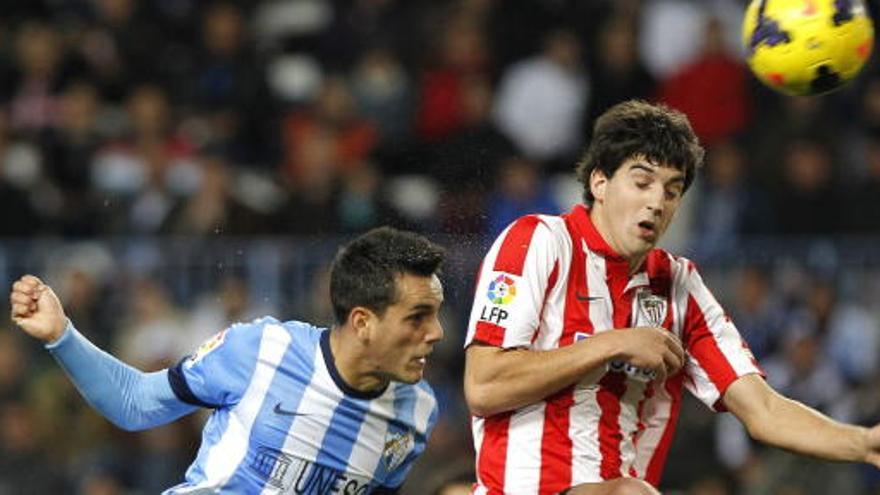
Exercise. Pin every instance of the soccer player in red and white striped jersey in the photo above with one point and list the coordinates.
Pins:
(583, 334)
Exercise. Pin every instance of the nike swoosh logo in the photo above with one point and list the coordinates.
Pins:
(285, 412)
(582, 297)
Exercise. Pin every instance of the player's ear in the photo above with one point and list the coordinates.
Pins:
(598, 183)
(361, 321)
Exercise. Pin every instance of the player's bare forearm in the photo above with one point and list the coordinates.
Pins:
(498, 380)
(785, 423)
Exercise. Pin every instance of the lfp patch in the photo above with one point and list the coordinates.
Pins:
(207, 347)
(502, 290)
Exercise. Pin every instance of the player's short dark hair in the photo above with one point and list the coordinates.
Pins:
(364, 271)
(637, 128)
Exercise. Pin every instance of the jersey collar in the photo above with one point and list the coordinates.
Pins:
(581, 216)
(337, 377)
(617, 265)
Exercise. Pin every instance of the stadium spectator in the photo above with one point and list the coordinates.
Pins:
(37, 80)
(152, 338)
(462, 53)
(468, 162)
(226, 76)
(711, 90)
(334, 117)
(521, 190)
(730, 204)
(808, 201)
(145, 170)
(617, 72)
(759, 312)
(69, 149)
(541, 101)
(19, 452)
(862, 217)
(213, 208)
(384, 94)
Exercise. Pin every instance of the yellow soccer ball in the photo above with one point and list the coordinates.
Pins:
(807, 47)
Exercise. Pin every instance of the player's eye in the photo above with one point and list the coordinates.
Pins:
(642, 180)
(417, 318)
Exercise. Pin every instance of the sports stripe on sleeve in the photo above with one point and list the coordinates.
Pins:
(717, 354)
(181, 389)
(512, 255)
(513, 282)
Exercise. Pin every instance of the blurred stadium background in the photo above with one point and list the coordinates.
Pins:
(171, 166)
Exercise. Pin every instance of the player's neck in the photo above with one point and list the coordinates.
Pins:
(599, 223)
(354, 368)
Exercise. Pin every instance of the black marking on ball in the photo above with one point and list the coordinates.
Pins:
(826, 80)
(843, 12)
(767, 31)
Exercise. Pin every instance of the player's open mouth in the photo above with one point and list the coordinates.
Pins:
(647, 229)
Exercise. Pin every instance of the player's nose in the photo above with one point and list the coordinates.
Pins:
(435, 333)
(654, 200)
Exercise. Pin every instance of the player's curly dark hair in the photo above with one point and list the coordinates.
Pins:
(364, 271)
(637, 128)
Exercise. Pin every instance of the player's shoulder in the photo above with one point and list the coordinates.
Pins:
(420, 393)
(541, 227)
(427, 402)
(425, 391)
(662, 263)
(421, 399)
(550, 223)
(256, 328)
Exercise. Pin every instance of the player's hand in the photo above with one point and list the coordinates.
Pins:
(652, 348)
(36, 309)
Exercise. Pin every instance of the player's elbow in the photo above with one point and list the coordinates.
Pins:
(478, 402)
(126, 425)
(480, 398)
(487, 381)
(127, 420)
(768, 427)
(475, 401)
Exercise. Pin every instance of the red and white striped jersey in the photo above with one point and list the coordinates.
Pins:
(549, 281)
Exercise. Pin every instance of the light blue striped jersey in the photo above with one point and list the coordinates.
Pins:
(285, 422)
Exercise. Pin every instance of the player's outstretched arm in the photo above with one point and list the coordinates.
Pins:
(498, 380)
(776, 420)
(129, 398)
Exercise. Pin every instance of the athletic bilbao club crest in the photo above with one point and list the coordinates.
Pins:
(652, 308)
(397, 445)
(502, 290)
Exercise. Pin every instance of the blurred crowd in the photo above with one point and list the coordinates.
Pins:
(176, 165)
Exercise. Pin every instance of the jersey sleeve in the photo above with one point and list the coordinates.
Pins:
(716, 353)
(512, 283)
(129, 398)
(219, 371)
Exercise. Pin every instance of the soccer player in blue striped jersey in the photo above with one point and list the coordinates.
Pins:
(296, 409)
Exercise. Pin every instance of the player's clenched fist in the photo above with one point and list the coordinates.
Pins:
(651, 348)
(36, 309)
